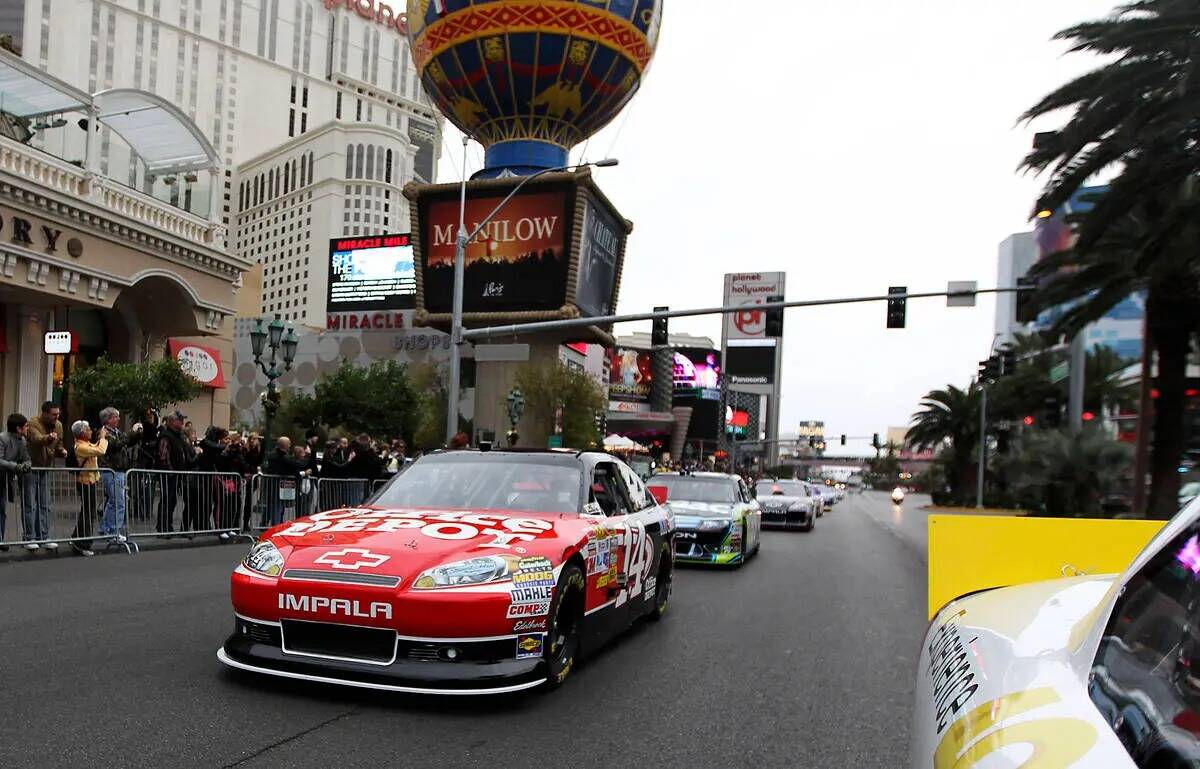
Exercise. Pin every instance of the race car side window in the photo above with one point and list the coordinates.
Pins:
(1145, 680)
(639, 497)
(743, 492)
(608, 491)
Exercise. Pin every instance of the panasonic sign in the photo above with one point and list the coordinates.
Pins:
(315, 604)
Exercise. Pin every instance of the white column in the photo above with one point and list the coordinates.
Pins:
(91, 157)
(33, 368)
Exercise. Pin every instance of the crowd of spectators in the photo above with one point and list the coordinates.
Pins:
(194, 486)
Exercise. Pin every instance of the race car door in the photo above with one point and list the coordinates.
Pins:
(623, 555)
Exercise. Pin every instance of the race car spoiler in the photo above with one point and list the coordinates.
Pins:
(969, 553)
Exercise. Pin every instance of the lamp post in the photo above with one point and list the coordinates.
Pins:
(516, 407)
(460, 255)
(272, 337)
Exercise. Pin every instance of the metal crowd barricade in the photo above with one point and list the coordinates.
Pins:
(278, 498)
(337, 493)
(166, 503)
(52, 506)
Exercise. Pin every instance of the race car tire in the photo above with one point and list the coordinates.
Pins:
(662, 589)
(566, 626)
(821, 513)
(812, 522)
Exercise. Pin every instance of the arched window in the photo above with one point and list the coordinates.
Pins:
(359, 159)
(370, 174)
(350, 162)
(387, 174)
(310, 168)
(283, 183)
(293, 165)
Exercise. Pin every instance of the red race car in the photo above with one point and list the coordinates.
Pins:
(470, 573)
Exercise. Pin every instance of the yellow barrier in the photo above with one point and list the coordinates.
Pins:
(976, 552)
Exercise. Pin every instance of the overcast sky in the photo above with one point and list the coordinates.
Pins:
(854, 145)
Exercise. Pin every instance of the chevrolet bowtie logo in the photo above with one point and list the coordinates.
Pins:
(352, 559)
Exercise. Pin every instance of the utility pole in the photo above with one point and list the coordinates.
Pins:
(1076, 382)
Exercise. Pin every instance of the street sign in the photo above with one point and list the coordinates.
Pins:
(555, 442)
(961, 293)
(1060, 372)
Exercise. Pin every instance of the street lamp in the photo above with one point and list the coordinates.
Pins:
(516, 407)
(278, 343)
(460, 255)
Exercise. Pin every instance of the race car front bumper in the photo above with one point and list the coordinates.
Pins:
(414, 666)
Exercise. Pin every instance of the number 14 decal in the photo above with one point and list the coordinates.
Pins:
(639, 559)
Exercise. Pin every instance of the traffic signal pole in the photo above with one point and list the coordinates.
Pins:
(517, 329)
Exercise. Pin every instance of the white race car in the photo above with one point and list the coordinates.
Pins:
(1085, 673)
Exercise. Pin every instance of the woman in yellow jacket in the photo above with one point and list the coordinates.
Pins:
(87, 455)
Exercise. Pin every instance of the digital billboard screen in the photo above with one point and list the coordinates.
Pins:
(518, 262)
(371, 273)
(697, 368)
(629, 373)
(599, 254)
(753, 365)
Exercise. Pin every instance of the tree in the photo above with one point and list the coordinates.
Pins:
(379, 400)
(430, 381)
(1136, 112)
(133, 387)
(549, 386)
(950, 417)
(1060, 473)
(297, 414)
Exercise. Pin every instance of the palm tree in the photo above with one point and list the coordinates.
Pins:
(1061, 474)
(1137, 112)
(1101, 388)
(950, 417)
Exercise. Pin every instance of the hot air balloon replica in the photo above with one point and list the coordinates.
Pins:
(529, 79)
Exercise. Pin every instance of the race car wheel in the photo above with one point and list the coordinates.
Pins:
(566, 612)
(662, 589)
(812, 521)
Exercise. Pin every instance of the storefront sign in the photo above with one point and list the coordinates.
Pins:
(628, 407)
(422, 341)
(380, 13)
(365, 321)
(749, 289)
(58, 343)
(19, 230)
(199, 362)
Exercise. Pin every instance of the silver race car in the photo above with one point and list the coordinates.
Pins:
(786, 504)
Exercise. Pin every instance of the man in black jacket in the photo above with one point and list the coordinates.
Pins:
(117, 459)
(14, 470)
(173, 455)
(282, 485)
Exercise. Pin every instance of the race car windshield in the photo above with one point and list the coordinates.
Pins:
(478, 482)
(778, 488)
(687, 488)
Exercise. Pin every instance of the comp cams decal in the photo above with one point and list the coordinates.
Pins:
(496, 531)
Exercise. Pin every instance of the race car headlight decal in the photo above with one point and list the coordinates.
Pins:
(264, 558)
(473, 571)
(713, 524)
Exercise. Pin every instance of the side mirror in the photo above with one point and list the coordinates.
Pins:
(659, 493)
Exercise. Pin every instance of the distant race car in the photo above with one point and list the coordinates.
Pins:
(787, 504)
(469, 573)
(1080, 673)
(717, 520)
(828, 494)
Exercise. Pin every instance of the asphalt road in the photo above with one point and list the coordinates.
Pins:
(804, 658)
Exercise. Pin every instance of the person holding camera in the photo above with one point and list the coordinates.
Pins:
(87, 456)
(118, 459)
(15, 466)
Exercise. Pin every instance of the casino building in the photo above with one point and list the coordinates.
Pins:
(313, 108)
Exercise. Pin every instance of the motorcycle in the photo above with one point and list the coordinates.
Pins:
(897, 496)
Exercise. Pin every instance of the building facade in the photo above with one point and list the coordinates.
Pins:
(313, 107)
(1017, 254)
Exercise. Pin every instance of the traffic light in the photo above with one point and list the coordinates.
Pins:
(1008, 361)
(774, 320)
(989, 370)
(658, 333)
(843, 440)
(1026, 287)
(875, 444)
(897, 308)
(1052, 412)
(1028, 420)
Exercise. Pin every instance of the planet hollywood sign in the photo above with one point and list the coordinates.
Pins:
(380, 13)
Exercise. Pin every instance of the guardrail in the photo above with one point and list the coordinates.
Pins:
(61, 505)
(169, 503)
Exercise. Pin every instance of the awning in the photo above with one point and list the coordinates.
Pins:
(164, 138)
(27, 92)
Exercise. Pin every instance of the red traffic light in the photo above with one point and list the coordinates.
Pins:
(1088, 416)
(1028, 421)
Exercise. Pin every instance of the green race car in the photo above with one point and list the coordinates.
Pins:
(717, 521)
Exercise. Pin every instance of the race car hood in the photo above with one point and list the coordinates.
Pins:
(684, 510)
(404, 542)
(1006, 671)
